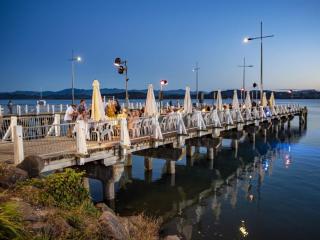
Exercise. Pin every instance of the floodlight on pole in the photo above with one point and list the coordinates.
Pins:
(163, 83)
(74, 59)
(244, 66)
(196, 70)
(261, 37)
(123, 68)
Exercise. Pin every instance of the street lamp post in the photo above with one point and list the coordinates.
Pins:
(254, 85)
(244, 66)
(261, 37)
(73, 60)
(162, 84)
(196, 70)
(123, 68)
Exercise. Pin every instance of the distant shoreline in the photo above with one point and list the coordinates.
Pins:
(141, 94)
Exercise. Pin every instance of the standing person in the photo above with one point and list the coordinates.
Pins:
(70, 115)
(10, 106)
(82, 106)
(117, 106)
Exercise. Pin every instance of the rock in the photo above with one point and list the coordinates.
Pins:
(57, 227)
(28, 213)
(104, 208)
(111, 227)
(33, 165)
(10, 175)
(171, 237)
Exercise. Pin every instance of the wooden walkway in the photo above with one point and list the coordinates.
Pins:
(60, 151)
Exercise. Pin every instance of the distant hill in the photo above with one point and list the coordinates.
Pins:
(138, 94)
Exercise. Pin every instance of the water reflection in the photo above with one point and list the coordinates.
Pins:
(199, 186)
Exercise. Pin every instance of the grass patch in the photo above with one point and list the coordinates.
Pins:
(11, 226)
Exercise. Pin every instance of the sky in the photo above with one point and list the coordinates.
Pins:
(160, 39)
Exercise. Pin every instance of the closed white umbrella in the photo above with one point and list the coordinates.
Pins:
(97, 109)
(219, 104)
(151, 106)
(187, 104)
(247, 101)
(264, 100)
(124, 134)
(235, 101)
(272, 101)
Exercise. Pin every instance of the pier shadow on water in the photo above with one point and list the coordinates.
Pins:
(204, 199)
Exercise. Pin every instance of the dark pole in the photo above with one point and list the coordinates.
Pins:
(127, 96)
(196, 69)
(244, 66)
(72, 72)
(261, 55)
(261, 63)
(244, 77)
(197, 83)
(160, 98)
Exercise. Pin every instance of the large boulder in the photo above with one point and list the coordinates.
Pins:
(111, 227)
(104, 208)
(9, 175)
(33, 165)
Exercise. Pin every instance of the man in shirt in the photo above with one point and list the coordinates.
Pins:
(69, 116)
(82, 106)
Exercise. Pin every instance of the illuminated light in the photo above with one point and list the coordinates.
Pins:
(246, 39)
(164, 82)
(243, 230)
(251, 197)
(250, 176)
(79, 59)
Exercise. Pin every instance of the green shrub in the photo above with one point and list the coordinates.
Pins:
(63, 189)
(10, 222)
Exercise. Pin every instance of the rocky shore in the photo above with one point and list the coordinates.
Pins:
(58, 206)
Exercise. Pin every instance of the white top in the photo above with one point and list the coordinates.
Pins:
(68, 116)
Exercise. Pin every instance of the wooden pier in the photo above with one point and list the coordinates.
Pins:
(168, 137)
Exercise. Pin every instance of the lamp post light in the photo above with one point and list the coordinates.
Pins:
(290, 91)
(244, 66)
(254, 85)
(196, 70)
(123, 68)
(163, 83)
(74, 59)
(261, 37)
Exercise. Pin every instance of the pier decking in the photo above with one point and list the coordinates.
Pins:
(62, 145)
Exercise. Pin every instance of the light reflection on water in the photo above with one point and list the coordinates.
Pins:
(267, 191)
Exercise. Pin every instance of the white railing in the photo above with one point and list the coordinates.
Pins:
(45, 135)
(20, 110)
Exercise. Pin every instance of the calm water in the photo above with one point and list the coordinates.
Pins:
(267, 191)
(271, 191)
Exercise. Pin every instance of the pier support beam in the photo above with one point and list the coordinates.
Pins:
(234, 145)
(173, 180)
(128, 172)
(210, 157)
(128, 160)
(197, 149)
(109, 190)
(210, 153)
(189, 155)
(253, 141)
(171, 167)
(147, 163)
(148, 176)
(188, 150)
